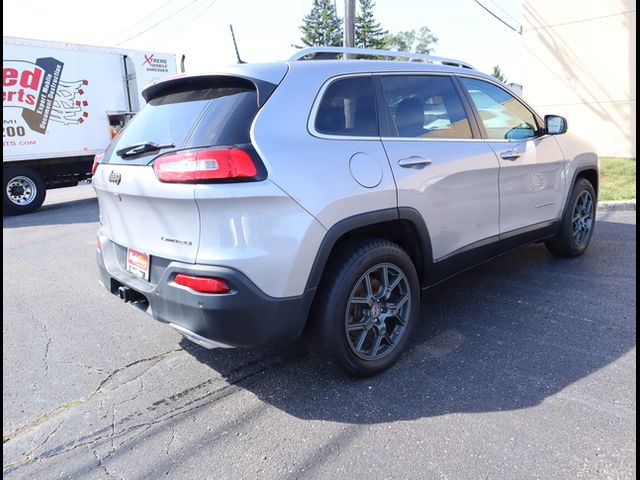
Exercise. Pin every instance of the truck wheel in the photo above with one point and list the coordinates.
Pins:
(366, 309)
(24, 190)
(578, 223)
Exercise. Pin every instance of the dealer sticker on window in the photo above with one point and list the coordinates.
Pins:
(138, 263)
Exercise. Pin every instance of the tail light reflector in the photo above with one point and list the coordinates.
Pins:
(96, 161)
(203, 284)
(197, 166)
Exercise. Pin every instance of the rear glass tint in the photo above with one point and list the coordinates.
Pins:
(193, 118)
(348, 108)
(424, 106)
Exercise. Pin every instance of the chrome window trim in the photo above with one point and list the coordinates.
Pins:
(418, 139)
(318, 99)
(311, 121)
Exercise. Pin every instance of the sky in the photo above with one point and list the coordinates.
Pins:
(265, 29)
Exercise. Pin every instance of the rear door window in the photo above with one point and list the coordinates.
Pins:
(191, 118)
(348, 108)
(424, 106)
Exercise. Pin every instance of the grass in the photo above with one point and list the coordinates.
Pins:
(617, 178)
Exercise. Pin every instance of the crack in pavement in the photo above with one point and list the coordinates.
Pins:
(28, 455)
(173, 436)
(83, 365)
(45, 357)
(113, 428)
(103, 466)
(8, 436)
(90, 440)
(152, 360)
(46, 439)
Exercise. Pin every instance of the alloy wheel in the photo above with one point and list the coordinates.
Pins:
(377, 311)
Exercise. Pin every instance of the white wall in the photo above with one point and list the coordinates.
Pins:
(579, 62)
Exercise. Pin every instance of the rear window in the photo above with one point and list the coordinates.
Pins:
(424, 106)
(192, 118)
(348, 109)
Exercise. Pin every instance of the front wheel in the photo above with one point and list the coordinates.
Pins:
(366, 308)
(578, 222)
(24, 190)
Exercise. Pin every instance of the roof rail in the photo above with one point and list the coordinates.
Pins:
(326, 53)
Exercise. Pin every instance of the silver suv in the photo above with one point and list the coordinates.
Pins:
(319, 198)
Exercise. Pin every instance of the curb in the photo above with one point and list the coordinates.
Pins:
(617, 206)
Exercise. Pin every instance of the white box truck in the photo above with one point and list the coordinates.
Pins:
(61, 104)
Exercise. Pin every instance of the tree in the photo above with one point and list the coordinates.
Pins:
(369, 33)
(322, 26)
(499, 74)
(421, 41)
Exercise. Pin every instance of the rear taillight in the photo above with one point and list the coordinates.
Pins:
(202, 166)
(203, 284)
(96, 161)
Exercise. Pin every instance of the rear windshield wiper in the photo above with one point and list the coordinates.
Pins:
(140, 148)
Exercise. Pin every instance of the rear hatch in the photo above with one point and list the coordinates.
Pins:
(145, 182)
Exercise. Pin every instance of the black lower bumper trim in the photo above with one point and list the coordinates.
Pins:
(244, 317)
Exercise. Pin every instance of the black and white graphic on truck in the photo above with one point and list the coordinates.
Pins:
(38, 89)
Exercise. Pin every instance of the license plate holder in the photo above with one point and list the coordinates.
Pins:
(138, 263)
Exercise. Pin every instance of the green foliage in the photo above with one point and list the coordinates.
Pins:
(498, 74)
(369, 33)
(420, 41)
(617, 179)
(322, 26)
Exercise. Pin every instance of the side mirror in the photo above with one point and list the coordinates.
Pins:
(555, 124)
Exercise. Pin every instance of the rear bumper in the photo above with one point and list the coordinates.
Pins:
(244, 317)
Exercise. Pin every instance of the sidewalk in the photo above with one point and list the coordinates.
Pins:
(617, 206)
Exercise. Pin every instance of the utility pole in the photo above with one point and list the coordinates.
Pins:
(349, 24)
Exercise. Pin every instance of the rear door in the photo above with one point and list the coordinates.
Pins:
(532, 173)
(162, 219)
(441, 168)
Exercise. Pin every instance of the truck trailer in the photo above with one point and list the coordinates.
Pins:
(61, 104)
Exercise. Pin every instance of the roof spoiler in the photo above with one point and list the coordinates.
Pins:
(182, 82)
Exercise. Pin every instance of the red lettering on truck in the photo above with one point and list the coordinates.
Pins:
(21, 86)
(26, 78)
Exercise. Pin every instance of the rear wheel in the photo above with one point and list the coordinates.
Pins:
(366, 308)
(578, 222)
(24, 190)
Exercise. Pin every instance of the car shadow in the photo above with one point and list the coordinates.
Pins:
(502, 336)
(64, 213)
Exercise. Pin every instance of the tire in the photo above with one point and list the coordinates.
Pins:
(349, 312)
(24, 190)
(578, 222)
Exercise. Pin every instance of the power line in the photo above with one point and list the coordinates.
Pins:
(158, 23)
(505, 12)
(517, 30)
(143, 20)
(590, 19)
(182, 23)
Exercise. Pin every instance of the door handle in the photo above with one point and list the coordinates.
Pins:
(414, 161)
(510, 155)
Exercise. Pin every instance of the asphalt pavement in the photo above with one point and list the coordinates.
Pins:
(521, 368)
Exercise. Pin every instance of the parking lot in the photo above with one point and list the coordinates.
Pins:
(522, 368)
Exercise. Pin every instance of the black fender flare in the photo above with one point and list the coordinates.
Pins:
(339, 229)
(579, 170)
